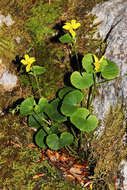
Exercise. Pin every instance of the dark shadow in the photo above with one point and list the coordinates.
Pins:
(17, 62)
(14, 105)
(76, 64)
(60, 32)
(68, 124)
(66, 79)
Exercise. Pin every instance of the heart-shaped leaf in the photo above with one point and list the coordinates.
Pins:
(66, 38)
(36, 120)
(64, 91)
(110, 71)
(81, 81)
(66, 139)
(38, 70)
(83, 121)
(39, 138)
(55, 143)
(70, 101)
(43, 102)
(27, 106)
(102, 65)
(87, 63)
(52, 111)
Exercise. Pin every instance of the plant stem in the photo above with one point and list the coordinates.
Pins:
(70, 152)
(76, 55)
(76, 139)
(94, 89)
(88, 100)
(99, 83)
(42, 119)
(46, 121)
(69, 148)
(38, 85)
(81, 139)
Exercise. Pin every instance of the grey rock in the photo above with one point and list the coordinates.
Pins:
(6, 19)
(7, 80)
(122, 180)
(113, 29)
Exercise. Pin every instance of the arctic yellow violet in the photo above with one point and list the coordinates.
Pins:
(97, 62)
(71, 27)
(28, 62)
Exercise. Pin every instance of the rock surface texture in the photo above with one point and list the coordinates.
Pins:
(113, 29)
(7, 80)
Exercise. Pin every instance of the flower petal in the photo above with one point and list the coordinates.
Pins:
(31, 60)
(95, 58)
(101, 59)
(72, 32)
(67, 26)
(74, 24)
(28, 67)
(24, 62)
(26, 57)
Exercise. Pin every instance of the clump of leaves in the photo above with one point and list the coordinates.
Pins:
(47, 116)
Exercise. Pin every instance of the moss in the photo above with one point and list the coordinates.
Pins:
(19, 163)
(40, 22)
(108, 149)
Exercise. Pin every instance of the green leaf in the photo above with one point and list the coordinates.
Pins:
(81, 81)
(87, 63)
(66, 38)
(102, 65)
(38, 70)
(66, 139)
(27, 106)
(36, 120)
(52, 111)
(110, 71)
(70, 101)
(83, 121)
(39, 138)
(53, 141)
(54, 129)
(43, 102)
(64, 91)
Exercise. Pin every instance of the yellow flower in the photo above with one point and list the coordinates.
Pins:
(28, 62)
(71, 26)
(91, 186)
(97, 62)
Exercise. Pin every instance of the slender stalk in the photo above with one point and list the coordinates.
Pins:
(76, 55)
(99, 83)
(42, 119)
(46, 121)
(38, 85)
(69, 147)
(89, 96)
(94, 89)
(39, 122)
(76, 139)
(81, 139)
(70, 152)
